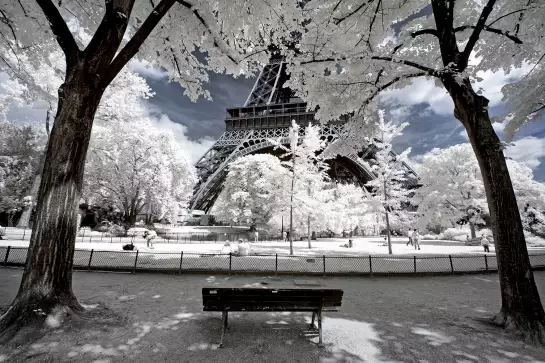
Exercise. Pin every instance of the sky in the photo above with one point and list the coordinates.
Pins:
(426, 107)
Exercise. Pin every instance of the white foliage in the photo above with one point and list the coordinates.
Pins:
(452, 187)
(193, 38)
(253, 191)
(139, 169)
(389, 187)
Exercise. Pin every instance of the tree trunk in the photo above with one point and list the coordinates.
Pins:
(46, 285)
(308, 232)
(521, 310)
(472, 229)
(388, 234)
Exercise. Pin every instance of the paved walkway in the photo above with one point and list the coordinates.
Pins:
(397, 319)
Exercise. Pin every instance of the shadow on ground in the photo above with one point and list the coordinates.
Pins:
(381, 320)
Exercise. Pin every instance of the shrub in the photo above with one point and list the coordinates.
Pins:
(116, 231)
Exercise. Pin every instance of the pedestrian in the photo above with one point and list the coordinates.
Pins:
(284, 236)
(416, 239)
(256, 236)
(287, 235)
(485, 243)
(149, 236)
(410, 235)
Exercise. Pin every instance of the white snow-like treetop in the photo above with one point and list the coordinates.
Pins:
(192, 38)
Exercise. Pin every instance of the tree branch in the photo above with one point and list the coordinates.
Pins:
(491, 30)
(218, 42)
(425, 31)
(391, 82)
(62, 33)
(133, 45)
(464, 57)
(337, 21)
(428, 70)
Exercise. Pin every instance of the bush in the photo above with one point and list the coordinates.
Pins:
(116, 231)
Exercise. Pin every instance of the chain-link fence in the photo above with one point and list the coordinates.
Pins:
(180, 262)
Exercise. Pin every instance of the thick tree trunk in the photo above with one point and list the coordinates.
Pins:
(472, 229)
(521, 310)
(46, 286)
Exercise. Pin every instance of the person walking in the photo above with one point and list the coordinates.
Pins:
(485, 243)
(410, 235)
(284, 236)
(416, 239)
(256, 236)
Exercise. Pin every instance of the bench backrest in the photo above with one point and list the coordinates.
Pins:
(257, 299)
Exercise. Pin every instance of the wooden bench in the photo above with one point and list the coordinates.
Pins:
(257, 299)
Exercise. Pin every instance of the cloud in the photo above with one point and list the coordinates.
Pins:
(438, 101)
(195, 148)
(420, 91)
(528, 150)
(145, 69)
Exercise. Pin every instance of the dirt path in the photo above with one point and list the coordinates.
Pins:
(382, 320)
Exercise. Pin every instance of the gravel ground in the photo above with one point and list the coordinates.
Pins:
(398, 319)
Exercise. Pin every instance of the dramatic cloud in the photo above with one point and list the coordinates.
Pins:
(143, 68)
(195, 148)
(528, 150)
(423, 91)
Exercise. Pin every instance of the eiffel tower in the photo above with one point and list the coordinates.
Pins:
(267, 114)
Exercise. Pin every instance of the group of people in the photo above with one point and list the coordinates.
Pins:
(414, 238)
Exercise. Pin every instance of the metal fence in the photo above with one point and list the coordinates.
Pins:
(183, 262)
(171, 237)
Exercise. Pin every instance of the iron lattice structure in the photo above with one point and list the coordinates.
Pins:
(267, 115)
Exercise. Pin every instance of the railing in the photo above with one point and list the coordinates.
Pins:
(24, 234)
(185, 262)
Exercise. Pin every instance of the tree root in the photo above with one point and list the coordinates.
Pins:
(531, 331)
(29, 319)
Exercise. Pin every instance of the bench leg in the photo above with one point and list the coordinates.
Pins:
(223, 325)
(312, 322)
(320, 342)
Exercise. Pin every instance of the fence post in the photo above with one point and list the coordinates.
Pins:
(6, 257)
(135, 262)
(370, 266)
(230, 261)
(176, 237)
(415, 264)
(101, 235)
(90, 259)
(83, 235)
(181, 261)
(24, 233)
(111, 238)
(486, 262)
(324, 264)
(276, 265)
(451, 265)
